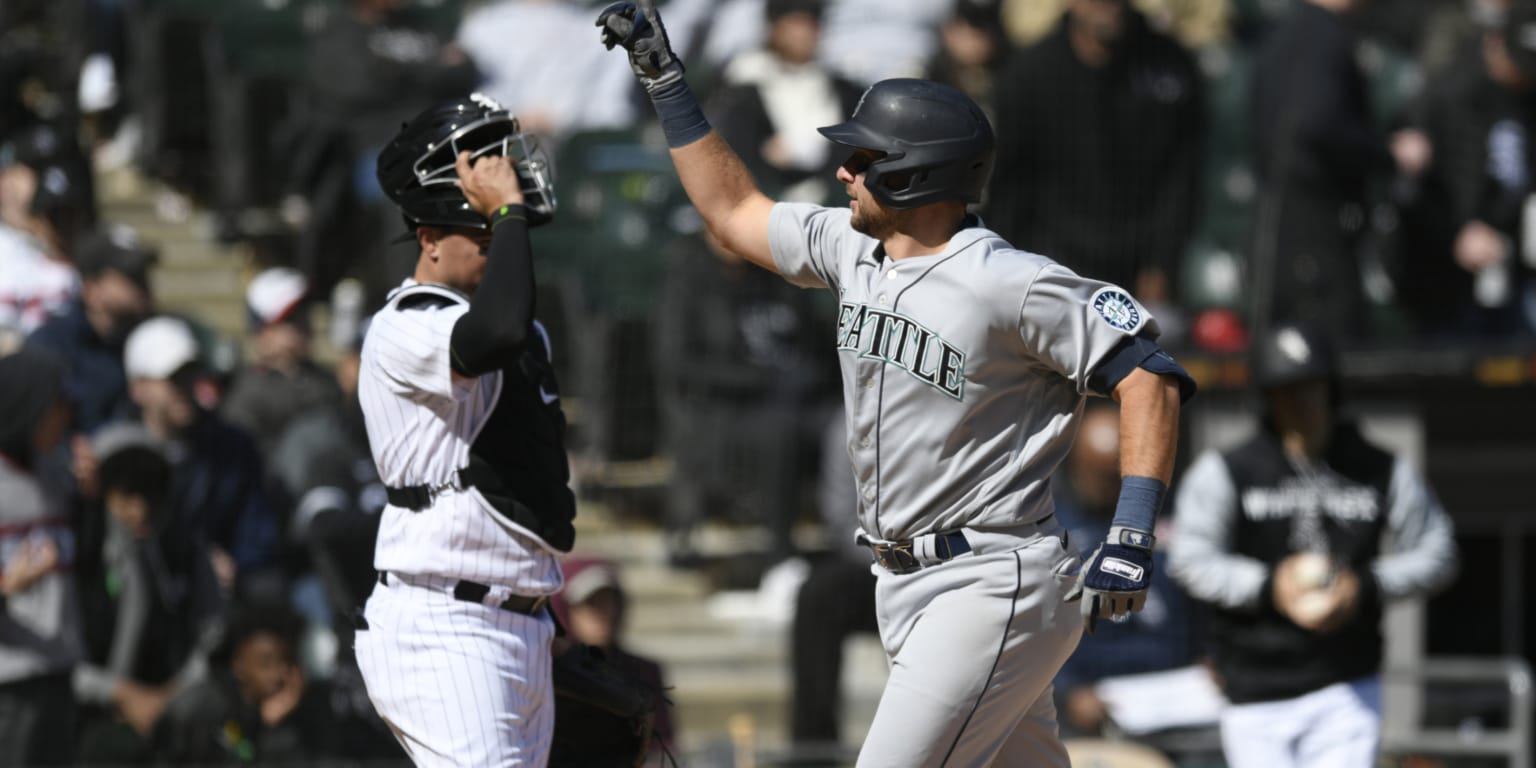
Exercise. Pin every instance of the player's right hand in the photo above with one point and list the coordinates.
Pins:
(638, 29)
(490, 183)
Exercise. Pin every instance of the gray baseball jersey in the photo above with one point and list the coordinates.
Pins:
(964, 372)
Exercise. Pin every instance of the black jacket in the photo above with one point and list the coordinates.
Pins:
(1099, 168)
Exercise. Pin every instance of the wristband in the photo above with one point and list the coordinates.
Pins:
(1140, 499)
(682, 120)
(509, 211)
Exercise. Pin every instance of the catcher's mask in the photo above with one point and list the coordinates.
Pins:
(416, 169)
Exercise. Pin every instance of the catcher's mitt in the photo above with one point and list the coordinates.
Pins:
(603, 716)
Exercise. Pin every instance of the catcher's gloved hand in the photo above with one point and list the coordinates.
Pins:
(1113, 583)
(603, 716)
(639, 30)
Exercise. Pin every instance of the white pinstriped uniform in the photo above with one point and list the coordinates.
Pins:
(460, 683)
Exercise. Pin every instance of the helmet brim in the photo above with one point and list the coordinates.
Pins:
(857, 135)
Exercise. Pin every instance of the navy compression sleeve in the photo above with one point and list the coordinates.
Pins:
(493, 332)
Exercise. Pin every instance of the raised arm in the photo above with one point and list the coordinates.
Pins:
(717, 182)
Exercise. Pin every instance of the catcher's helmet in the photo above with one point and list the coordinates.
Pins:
(417, 170)
(938, 145)
(1292, 353)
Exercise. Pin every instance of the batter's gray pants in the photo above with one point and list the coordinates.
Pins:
(973, 645)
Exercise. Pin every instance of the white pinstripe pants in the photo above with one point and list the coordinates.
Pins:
(460, 684)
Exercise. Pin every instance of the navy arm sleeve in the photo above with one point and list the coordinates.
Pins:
(492, 334)
(1139, 352)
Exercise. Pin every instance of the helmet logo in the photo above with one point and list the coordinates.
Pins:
(1118, 309)
(1293, 345)
(486, 102)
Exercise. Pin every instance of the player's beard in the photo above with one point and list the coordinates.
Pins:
(874, 220)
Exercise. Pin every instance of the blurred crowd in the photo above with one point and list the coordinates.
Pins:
(187, 512)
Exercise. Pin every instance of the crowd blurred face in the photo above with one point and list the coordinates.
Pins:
(968, 45)
(260, 665)
(1501, 66)
(795, 36)
(347, 367)
(595, 621)
(114, 303)
(869, 216)
(167, 406)
(1095, 457)
(18, 185)
(51, 428)
(130, 510)
(1101, 20)
(1303, 415)
(453, 256)
(282, 345)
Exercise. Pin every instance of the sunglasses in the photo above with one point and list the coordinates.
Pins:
(861, 159)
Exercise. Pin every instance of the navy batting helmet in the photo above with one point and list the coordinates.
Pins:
(417, 170)
(1292, 353)
(938, 145)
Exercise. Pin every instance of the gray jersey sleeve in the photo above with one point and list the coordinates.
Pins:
(1419, 554)
(1071, 324)
(1200, 556)
(812, 245)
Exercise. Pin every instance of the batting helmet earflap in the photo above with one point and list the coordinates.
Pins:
(938, 144)
(1291, 353)
(416, 169)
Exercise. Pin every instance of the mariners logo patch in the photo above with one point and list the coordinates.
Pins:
(1118, 309)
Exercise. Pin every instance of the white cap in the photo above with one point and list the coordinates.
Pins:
(159, 347)
(274, 294)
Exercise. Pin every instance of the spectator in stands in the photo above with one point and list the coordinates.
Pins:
(1102, 174)
(323, 463)
(771, 99)
(255, 706)
(1467, 262)
(551, 95)
(37, 280)
(373, 65)
(871, 40)
(46, 187)
(39, 623)
(836, 600)
(89, 336)
(593, 609)
(1316, 150)
(151, 606)
(218, 488)
(1162, 636)
(972, 50)
(743, 390)
(281, 381)
(1298, 538)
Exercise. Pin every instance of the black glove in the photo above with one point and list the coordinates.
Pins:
(1113, 584)
(640, 31)
(603, 717)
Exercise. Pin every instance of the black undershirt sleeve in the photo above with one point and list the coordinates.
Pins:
(491, 335)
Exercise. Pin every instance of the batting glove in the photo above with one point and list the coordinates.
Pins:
(640, 31)
(1113, 584)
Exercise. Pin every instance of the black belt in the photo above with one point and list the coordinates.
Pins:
(475, 592)
(419, 497)
(898, 556)
(901, 556)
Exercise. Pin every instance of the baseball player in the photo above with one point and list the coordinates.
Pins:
(1298, 537)
(465, 426)
(965, 366)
